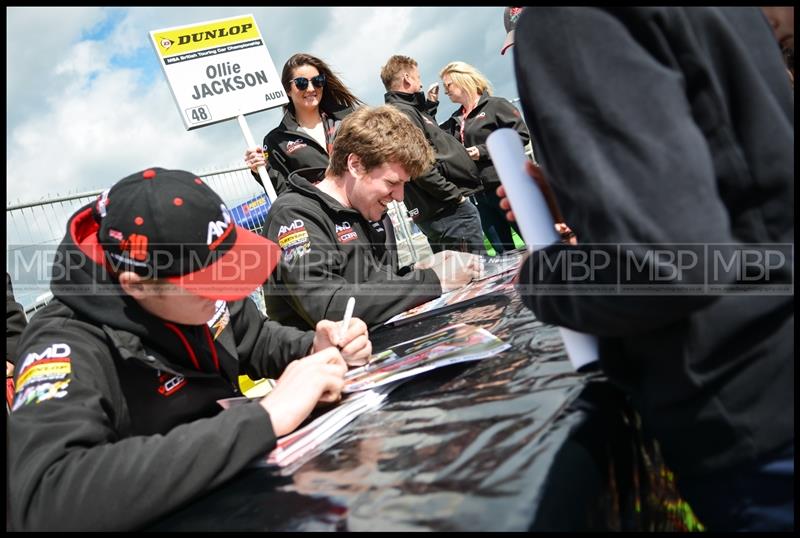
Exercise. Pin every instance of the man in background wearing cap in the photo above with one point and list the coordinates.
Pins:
(115, 420)
(670, 132)
(330, 250)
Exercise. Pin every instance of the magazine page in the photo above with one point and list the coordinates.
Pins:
(302, 444)
(478, 288)
(368, 387)
(451, 345)
(510, 261)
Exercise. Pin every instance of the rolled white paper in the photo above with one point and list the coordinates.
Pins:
(535, 222)
(527, 201)
(581, 347)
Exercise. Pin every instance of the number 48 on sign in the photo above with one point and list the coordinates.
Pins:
(198, 114)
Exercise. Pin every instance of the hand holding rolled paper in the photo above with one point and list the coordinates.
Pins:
(533, 170)
(526, 199)
(535, 211)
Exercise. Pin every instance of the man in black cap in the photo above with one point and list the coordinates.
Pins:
(115, 420)
(668, 133)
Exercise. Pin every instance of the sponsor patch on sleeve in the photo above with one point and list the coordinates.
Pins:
(292, 233)
(43, 376)
(345, 232)
(293, 240)
(297, 251)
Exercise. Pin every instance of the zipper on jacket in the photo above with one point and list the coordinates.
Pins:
(212, 346)
(185, 342)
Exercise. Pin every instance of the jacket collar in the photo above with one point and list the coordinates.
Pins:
(417, 100)
(289, 121)
(459, 112)
(303, 181)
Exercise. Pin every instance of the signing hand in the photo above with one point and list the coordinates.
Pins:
(473, 153)
(304, 383)
(355, 347)
(454, 269)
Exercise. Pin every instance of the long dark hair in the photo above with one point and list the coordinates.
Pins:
(334, 97)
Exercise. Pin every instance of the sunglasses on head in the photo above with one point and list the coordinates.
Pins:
(302, 82)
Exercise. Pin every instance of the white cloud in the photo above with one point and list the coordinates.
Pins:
(358, 41)
(36, 39)
(114, 128)
(84, 60)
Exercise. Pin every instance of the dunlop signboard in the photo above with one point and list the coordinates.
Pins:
(218, 69)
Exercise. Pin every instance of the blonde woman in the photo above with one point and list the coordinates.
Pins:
(478, 116)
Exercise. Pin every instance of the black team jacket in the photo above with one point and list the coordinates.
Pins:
(490, 114)
(16, 321)
(330, 253)
(289, 149)
(453, 176)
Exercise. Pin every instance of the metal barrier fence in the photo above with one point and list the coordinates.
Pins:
(34, 230)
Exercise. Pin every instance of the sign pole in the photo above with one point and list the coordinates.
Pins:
(262, 170)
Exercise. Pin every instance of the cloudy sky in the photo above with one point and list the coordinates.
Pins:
(87, 102)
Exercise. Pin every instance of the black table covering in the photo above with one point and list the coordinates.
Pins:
(515, 442)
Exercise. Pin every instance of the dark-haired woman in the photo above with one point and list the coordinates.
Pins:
(318, 102)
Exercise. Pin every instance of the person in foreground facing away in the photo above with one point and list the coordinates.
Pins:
(318, 102)
(479, 115)
(115, 420)
(672, 128)
(437, 199)
(329, 252)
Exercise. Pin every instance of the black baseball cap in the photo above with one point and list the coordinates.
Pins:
(170, 225)
(510, 17)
